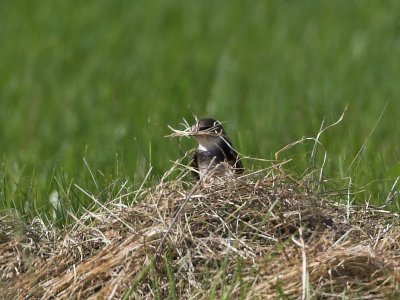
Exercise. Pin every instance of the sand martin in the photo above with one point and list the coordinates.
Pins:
(214, 151)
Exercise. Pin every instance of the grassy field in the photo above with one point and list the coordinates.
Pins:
(87, 90)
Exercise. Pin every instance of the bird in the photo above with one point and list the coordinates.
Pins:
(215, 150)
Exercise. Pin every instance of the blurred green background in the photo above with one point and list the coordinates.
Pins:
(101, 80)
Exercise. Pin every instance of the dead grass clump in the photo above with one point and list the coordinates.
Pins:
(251, 237)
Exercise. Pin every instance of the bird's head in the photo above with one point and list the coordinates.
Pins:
(207, 132)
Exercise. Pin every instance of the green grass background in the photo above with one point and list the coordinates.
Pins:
(101, 80)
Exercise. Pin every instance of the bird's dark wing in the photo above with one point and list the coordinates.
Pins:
(193, 164)
(232, 157)
(237, 163)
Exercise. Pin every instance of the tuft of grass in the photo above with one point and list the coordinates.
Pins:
(208, 240)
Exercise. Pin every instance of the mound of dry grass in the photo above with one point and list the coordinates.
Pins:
(259, 236)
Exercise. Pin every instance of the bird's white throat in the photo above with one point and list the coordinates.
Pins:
(207, 143)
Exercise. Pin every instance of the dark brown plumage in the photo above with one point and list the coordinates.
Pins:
(214, 148)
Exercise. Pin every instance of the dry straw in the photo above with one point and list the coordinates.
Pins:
(259, 236)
